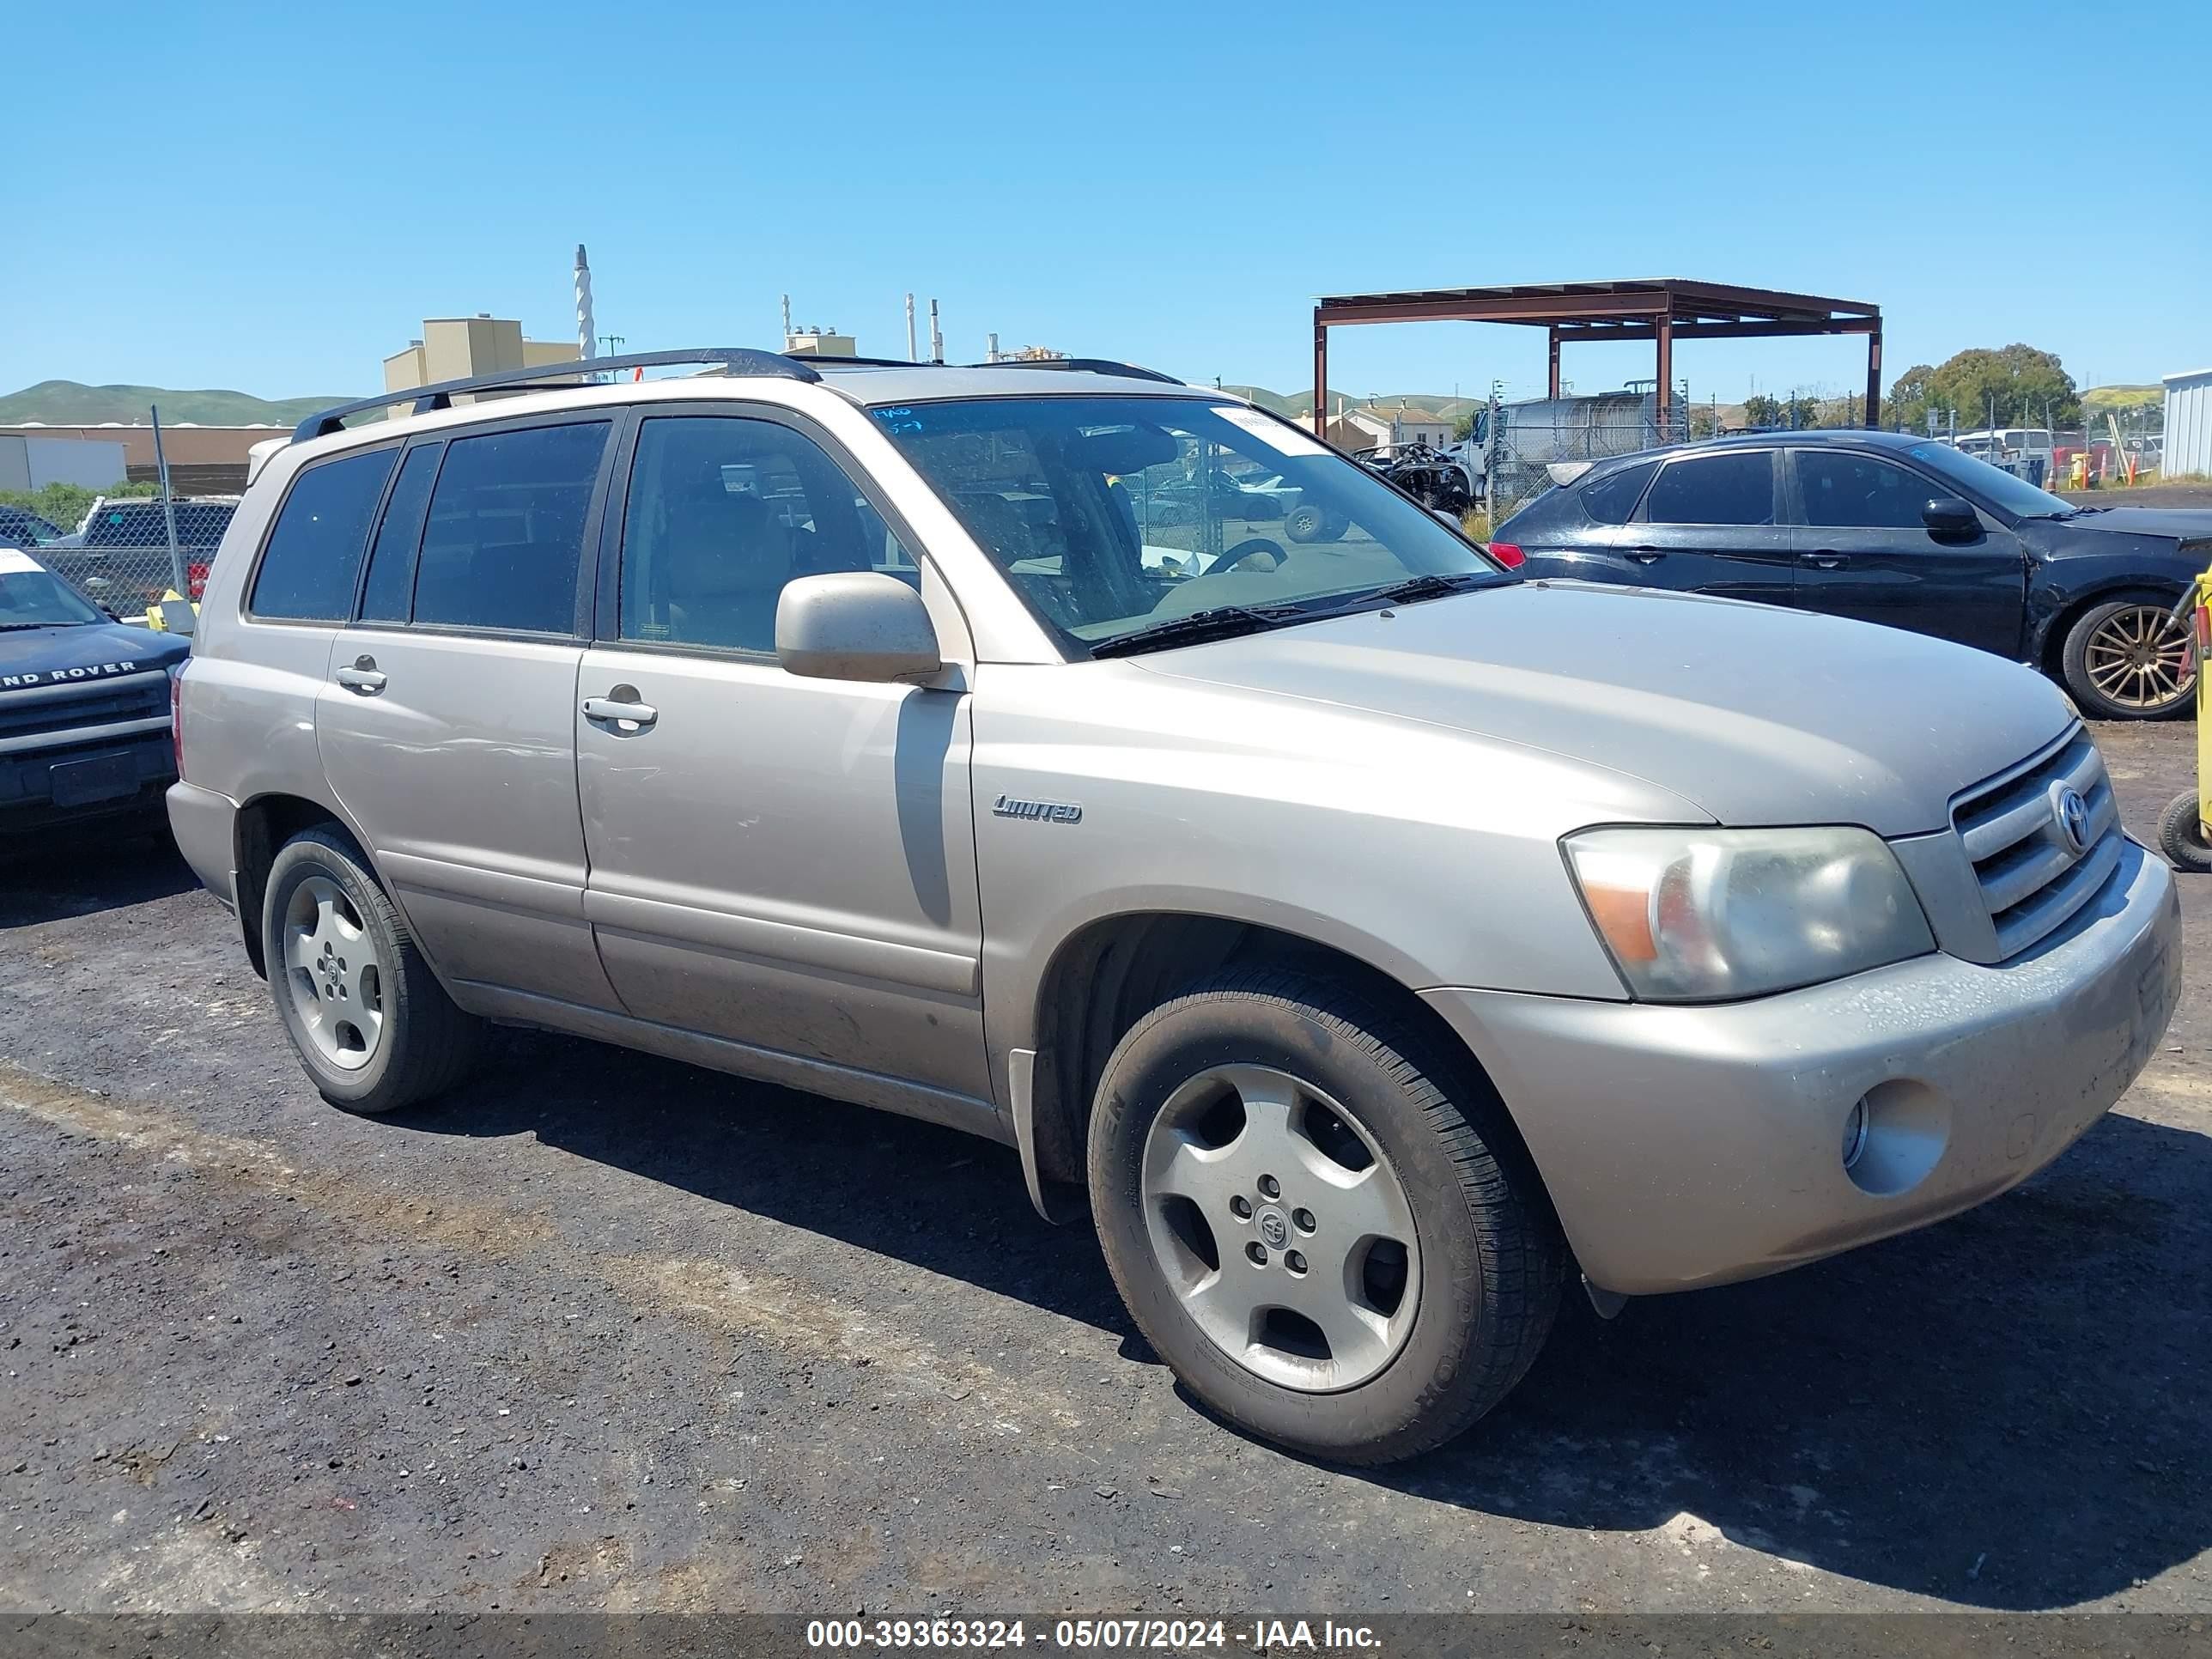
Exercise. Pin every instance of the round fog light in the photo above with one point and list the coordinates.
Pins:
(1854, 1133)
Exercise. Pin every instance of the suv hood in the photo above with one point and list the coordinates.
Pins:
(29, 656)
(1756, 714)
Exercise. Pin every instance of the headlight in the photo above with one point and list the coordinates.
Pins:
(1701, 916)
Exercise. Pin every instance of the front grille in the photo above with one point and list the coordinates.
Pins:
(2031, 879)
(41, 711)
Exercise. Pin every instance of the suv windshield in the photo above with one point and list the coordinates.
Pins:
(1115, 517)
(31, 596)
(2014, 495)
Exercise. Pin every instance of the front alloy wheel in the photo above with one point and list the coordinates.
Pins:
(2130, 659)
(1319, 1215)
(1283, 1228)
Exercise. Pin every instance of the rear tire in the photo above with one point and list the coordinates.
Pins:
(1304, 522)
(2181, 835)
(1481, 1268)
(369, 1019)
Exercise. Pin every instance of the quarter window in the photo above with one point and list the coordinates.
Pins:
(1734, 488)
(1857, 492)
(315, 550)
(723, 511)
(506, 529)
(1613, 498)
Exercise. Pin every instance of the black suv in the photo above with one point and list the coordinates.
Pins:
(84, 704)
(1892, 528)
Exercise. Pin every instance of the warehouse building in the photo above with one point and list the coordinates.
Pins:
(2188, 425)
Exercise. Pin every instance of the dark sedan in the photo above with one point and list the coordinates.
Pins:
(1895, 529)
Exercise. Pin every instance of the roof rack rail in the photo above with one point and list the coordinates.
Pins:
(731, 359)
(1084, 365)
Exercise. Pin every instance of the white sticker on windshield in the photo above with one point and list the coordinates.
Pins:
(1283, 440)
(13, 563)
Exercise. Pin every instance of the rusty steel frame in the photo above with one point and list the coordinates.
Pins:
(1661, 309)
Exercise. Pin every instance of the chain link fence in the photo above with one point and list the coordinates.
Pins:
(119, 553)
(1519, 447)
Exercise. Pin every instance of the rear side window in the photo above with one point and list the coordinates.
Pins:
(1737, 488)
(1613, 497)
(506, 529)
(314, 552)
(391, 560)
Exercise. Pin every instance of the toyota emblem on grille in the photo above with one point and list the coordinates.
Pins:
(2072, 813)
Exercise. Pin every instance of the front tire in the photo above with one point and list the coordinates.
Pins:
(2130, 659)
(370, 1021)
(1302, 1202)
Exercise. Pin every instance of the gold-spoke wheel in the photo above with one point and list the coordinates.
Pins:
(2140, 658)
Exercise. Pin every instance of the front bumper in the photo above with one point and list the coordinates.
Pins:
(73, 781)
(1693, 1146)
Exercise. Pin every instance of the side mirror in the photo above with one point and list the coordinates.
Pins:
(1947, 515)
(855, 625)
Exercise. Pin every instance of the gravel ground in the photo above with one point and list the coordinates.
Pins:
(602, 1331)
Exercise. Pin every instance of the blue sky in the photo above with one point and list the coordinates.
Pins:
(1167, 183)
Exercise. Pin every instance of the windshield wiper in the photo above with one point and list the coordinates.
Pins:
(1221, 622)
(1436, 586)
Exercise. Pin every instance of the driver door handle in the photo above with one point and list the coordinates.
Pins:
(640, 714)
(362, 677)
(1647, 554)
(1826, 557)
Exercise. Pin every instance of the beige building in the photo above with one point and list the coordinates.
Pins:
(204, 461)
(461, 348)
(819, 343)
(1367, 426)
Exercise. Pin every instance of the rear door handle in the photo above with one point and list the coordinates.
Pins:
(362, 677)
(1647, 554)
(620, 710)
(1826, 557)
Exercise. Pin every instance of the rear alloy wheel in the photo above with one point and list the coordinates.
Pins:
(2130, 659)
(1298, 1197)
(370, 1022)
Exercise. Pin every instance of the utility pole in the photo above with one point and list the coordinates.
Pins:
(909, 328)
(936, 336)
(177, 580)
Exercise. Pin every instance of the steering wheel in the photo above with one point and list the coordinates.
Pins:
(1243, 550)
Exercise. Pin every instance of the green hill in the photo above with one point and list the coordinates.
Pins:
(67, 402)
(2122, 397)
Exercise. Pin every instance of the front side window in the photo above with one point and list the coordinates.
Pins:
(506, 529)
(1734, 488)
(723, 511)
(1112, 516)
(315, 547)
(1857, 492)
